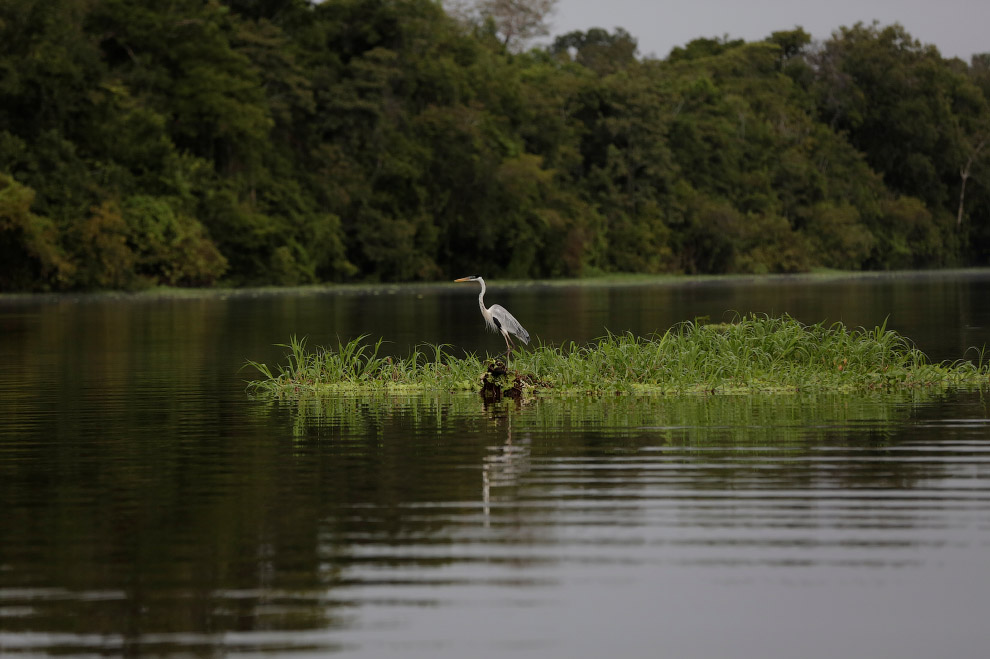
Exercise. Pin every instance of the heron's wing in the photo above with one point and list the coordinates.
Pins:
(508, 322)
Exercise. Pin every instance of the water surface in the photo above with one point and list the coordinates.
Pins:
(148, 506)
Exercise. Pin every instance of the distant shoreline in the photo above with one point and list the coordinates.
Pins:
(393, 288)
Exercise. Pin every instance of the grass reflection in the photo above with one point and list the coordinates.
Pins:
(760, 419)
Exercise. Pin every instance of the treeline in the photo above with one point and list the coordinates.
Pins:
(251, 142)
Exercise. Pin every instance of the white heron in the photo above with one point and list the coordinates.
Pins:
(498, 319)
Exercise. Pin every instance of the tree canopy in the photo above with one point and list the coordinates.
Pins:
(248, 142)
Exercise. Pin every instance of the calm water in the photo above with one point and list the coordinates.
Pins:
(148, 507)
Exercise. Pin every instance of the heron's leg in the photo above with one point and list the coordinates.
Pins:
(508, 346)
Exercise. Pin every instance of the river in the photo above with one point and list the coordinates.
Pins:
(148, 506)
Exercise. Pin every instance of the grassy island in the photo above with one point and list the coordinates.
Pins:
(755, 354)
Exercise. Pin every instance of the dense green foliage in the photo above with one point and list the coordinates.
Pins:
(190, 142)
(752, 355)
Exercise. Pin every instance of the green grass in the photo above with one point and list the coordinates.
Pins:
(754, 354)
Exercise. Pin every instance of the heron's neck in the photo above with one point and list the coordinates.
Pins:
(481, 295)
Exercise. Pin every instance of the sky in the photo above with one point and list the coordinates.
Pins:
(958, 28)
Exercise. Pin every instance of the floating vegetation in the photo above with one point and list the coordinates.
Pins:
(754, 354)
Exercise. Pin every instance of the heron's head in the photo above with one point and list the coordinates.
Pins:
(469, 278)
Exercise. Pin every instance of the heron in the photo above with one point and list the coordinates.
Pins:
(498, 319)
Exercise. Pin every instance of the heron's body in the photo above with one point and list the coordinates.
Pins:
(498, 318)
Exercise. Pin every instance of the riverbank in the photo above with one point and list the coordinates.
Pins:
(603, 280)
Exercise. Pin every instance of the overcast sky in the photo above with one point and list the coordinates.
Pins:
(959, 28)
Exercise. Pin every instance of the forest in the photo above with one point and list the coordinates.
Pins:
(286, 142)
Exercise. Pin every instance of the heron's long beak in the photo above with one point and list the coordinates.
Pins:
(464, 279)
